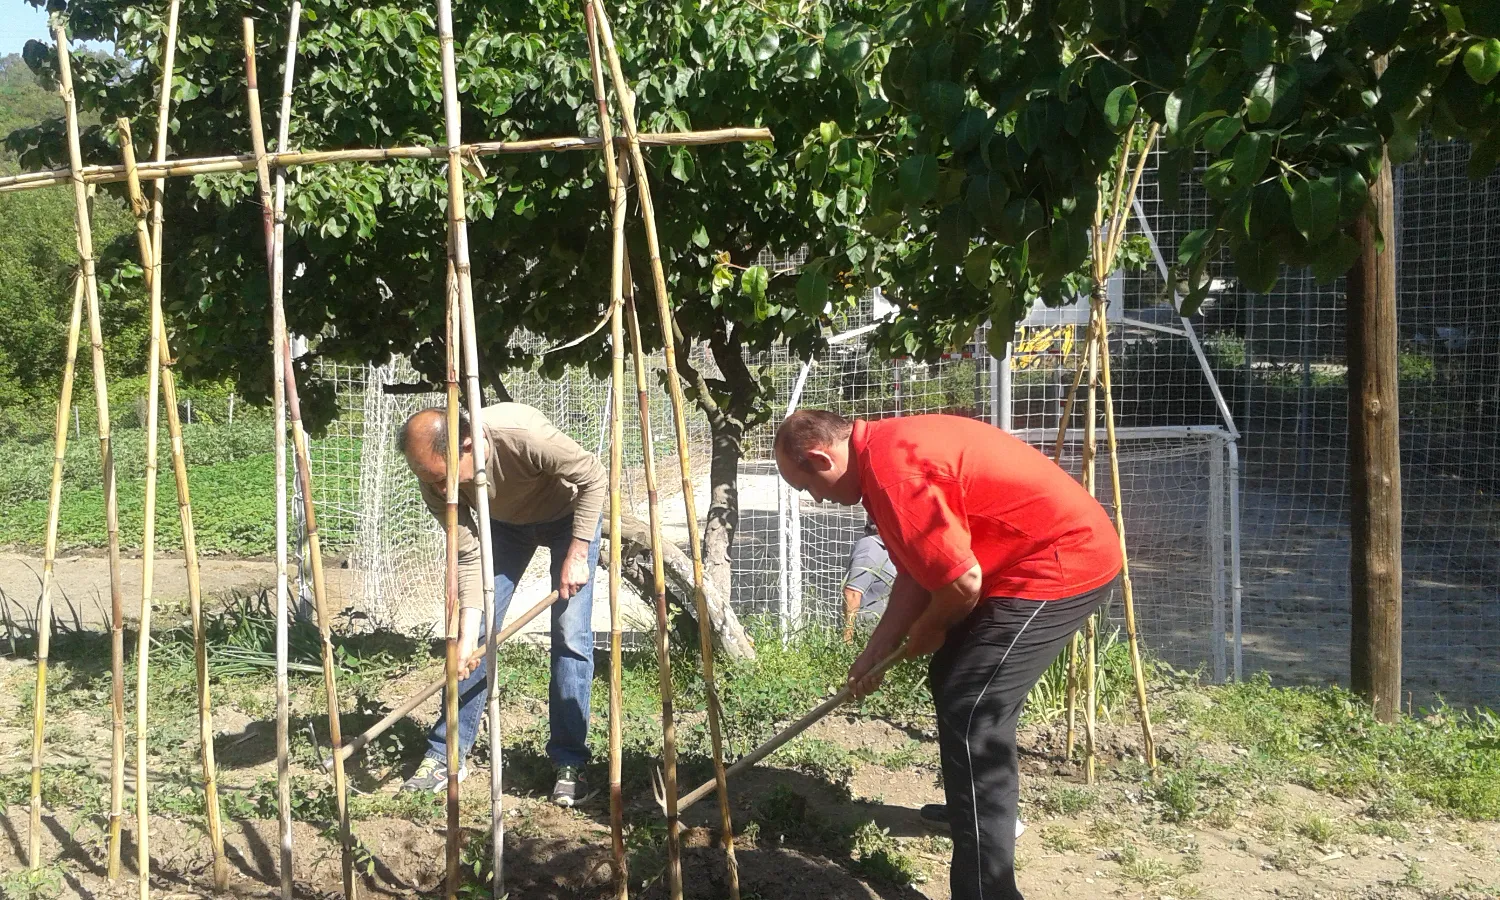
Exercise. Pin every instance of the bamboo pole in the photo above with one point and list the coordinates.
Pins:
(409, 705)
(276, 260)
(1090, 628)
(245, 162)
(450, 607)
(279, 404)
(458, 249)
(614, 178)
(695, 542)
(1123, 203)
(213, 822)
(659, 595)
(148, 536)
(49, 560)
(84, 230)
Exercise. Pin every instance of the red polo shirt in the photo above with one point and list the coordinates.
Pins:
(948, 491)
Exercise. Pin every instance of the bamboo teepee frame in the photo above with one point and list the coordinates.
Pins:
(1107, 238)
(463, 354)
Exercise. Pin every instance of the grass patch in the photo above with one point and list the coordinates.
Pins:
(233, 511)
(1328, 740)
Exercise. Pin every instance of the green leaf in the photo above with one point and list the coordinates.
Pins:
(1256, 265)
(977, 265)
(1381, 23)
(943, 103)
(918, 178)
(1315, 208)
(753, 283)
(829, 132)
(1120, 107)
(967, 132)
(683, 166)
(1482, 60)
(1258, 45)
(812, 291)
(1192, 246)
(1334, 258)
(1220, 133)
(1002, 319)
(1353, 191)
(953, 229)
(987, 197)
(1275, 95)
(809, 63)
(700, 237)
(766, 47)
(1252, 155)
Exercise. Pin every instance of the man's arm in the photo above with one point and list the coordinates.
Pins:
(906, 604)
(558, 455)
(852, 597)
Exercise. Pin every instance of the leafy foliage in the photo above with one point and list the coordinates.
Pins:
(367, 242)
(1013, 112)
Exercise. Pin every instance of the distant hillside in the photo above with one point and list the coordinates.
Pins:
(23, 101)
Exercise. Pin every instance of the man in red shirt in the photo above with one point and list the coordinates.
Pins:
(1000, 557)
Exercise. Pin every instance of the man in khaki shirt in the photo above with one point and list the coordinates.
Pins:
(544, 490)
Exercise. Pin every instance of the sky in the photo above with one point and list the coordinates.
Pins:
(19, 23)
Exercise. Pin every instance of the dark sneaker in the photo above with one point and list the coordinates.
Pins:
(936, 815)
(568, 790)
(432, 777)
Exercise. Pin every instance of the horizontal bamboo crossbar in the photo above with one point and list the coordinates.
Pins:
(245, 162)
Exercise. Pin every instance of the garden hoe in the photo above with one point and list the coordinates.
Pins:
(770, 746)
(359, 742)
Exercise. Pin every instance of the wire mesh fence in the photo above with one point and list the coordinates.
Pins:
(1279, 358)
(1233, 451)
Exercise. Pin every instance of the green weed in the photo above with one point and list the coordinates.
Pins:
(878, 856)
(1177, 792)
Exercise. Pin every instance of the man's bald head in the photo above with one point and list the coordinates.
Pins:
(424, 442)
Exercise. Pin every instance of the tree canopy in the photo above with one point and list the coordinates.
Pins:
(1283, 108)
(366, 242)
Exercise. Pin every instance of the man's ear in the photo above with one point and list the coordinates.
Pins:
(819, 459)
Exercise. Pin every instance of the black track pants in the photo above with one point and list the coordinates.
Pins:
(980, 678)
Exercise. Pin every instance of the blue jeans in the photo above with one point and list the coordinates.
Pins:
(572, 645)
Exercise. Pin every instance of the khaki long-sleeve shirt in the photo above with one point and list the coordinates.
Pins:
(536, 474)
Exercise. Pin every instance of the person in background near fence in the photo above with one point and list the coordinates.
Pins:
(1000, 557)
(871, 574)
(545, 491)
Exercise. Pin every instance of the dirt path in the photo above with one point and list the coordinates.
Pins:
(82, 598)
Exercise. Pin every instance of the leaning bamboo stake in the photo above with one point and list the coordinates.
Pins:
(458, 255)
(679, 406)
(1090, 628)
(614, 178)
(1147, 736)
(246, 162)
(659, 595)
(49, 560)
(148, 534)
(84, 233)
(279, 404)
(213, 821)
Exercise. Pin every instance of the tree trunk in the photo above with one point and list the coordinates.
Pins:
(723, 502)
(1375, 460)
(635, 555)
